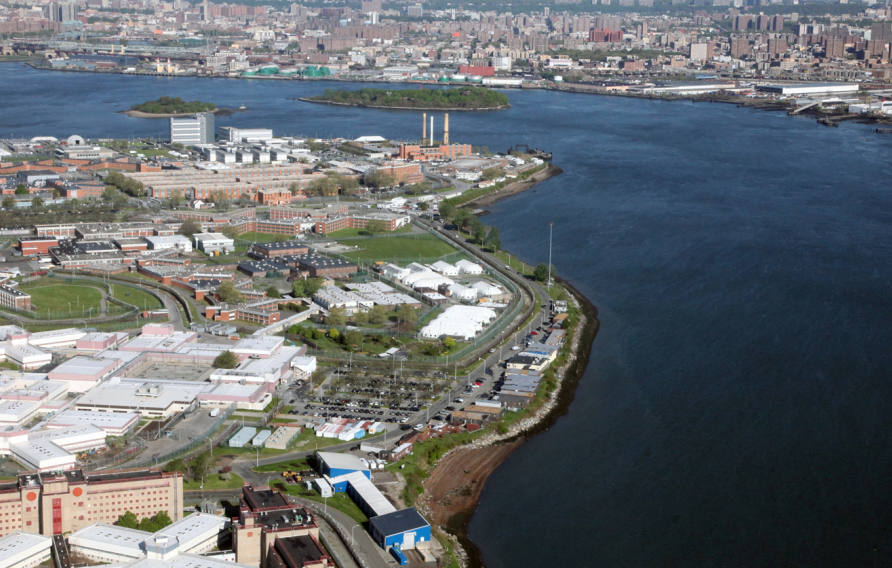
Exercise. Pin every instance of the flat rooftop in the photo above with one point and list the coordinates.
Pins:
(298, 550)
(264, 499)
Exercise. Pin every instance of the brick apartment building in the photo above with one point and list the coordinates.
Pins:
(50, 504)
(402, 173)
(37, 245)
(391, 223)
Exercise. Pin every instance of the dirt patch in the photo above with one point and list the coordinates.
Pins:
(454, 488)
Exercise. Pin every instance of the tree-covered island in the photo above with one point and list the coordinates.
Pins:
(173, 105)
(463, 98)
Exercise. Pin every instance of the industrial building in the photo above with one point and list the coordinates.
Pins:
(405, 529)
(210, 243)
(242, 437)
(197, 129)
(805, 89)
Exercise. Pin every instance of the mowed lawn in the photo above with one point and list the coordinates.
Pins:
(138, 298)
(356, 232)
(406, 249)
(57, 297)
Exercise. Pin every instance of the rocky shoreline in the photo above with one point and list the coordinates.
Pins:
(480, 458)
(428, 109)
(139, 114)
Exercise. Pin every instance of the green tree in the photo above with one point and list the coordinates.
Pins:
(271, 292)
(336, 316)
(176, 198)
(201, 466)
(449, 343)
(446, 209)
(148, 525)
(361, 318)
(37, 203)
(479, 232)
(189, 228)
(175, 465)
(352, 338)
(128, 520)
(9, 202)
(230, 231)
(226, 360)
(377, 314)
(378, 180)
(490, 174)
(162, 519)
(333, 333)
(540, 273)
(110, 193)
(21, 189)
(229, 293)
(493, 239)
(407, 314)
(376, 226)
(424, 206)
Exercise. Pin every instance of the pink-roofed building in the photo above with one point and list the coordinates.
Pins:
(158, 329)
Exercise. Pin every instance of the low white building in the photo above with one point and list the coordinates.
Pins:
(468, 267)
(444, 268)
(53, 450)
(213, 242)
(24, 550)
(463, 322)
(172, 242)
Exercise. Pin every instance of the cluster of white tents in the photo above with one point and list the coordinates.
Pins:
(463, 322)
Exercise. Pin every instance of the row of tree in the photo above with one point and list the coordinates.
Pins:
(149, 524)
(125, 184)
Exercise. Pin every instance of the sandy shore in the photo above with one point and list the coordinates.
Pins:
(454, 487)
(139, 114)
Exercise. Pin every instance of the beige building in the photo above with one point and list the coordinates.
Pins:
(49, 503)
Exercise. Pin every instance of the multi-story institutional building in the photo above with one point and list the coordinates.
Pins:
(264, 516)
(272, 250)
(198, 129)
(47, 503)
(391, 222)
(14, 298)
(228, 183)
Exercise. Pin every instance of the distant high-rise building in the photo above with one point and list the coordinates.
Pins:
(61, 12)
(416, 11)
(740, 47)
(369, 6)
(198, 129)
(835, 48)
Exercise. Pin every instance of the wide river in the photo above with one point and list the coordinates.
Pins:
(737, 410)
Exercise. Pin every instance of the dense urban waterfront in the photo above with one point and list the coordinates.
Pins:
(735, 408)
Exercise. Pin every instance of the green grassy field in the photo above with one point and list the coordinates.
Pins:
(353, 232)
(401, 249)
(340, 501)
(56, 298)
(214, 482)
(292, 465)
(138, 298)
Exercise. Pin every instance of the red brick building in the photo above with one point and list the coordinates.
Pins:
(416, 153)
(402, 173)
(37, 245)
(483, 71)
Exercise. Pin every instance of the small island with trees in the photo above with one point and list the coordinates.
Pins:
(166, 107)
(463, 98)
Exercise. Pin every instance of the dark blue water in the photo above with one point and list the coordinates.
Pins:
(736, 410)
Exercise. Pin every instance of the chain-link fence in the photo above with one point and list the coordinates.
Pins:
(196, 442)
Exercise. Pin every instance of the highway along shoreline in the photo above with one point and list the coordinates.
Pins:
(453, 489)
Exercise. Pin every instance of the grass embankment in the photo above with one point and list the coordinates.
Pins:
(356, 232)
(479, 192)
(420, 248)
(339, 501)
(140, 299)
(214, 482)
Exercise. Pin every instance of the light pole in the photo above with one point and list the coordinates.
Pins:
(257, 463)
(352, 538)
(550, 235)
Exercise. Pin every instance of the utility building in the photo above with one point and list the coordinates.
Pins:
(198, 129)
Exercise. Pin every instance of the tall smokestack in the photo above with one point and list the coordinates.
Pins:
(423, 127)
(446, 129)
(432, 130)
